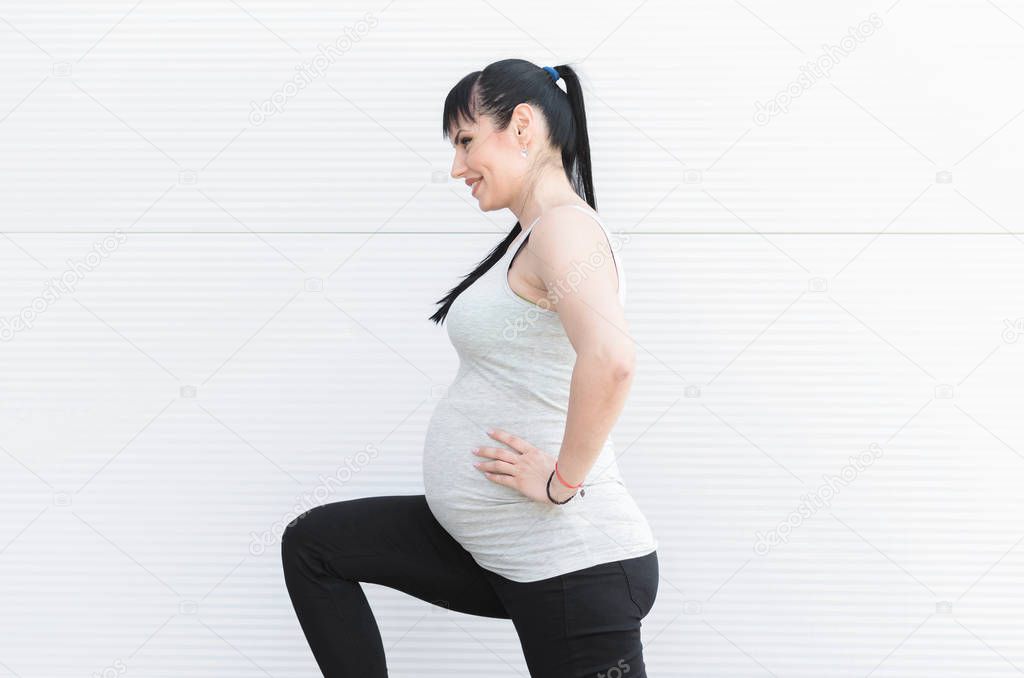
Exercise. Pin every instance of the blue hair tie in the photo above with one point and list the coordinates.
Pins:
(552, 72)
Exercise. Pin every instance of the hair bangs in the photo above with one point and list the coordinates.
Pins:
(459, 105)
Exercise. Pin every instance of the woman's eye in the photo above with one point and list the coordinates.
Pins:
(464, 140)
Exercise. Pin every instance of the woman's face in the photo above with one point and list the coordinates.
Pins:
(489, 161)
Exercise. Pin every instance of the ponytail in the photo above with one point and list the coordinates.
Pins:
(576, 156)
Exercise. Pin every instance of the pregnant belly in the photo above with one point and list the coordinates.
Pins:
(449, 476)
(464, 501)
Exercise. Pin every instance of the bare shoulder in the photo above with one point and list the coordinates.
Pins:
(569, 231)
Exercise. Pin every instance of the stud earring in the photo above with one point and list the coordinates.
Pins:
(523, 151)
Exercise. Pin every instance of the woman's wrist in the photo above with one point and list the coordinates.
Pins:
(559, 493)
(564, 480)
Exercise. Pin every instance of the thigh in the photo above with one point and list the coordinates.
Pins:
(583, 624)
(395, 541)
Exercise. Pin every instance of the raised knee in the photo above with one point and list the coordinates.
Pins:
(295, 536)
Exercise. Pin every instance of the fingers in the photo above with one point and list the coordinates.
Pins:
(497, 453)
(515, 442)
(496, 467)
(501, 479)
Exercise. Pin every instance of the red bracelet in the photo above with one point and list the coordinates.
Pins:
(562, 480)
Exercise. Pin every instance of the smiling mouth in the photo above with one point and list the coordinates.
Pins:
(475, 184)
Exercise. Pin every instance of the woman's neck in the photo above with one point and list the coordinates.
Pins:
(551, 189)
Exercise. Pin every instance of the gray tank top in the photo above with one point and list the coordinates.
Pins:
(515, 370)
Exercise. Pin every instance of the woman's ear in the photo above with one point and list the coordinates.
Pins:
(522, 120)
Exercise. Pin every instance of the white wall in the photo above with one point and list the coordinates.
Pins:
(804, 286)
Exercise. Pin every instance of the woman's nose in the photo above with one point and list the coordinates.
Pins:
(458, 167)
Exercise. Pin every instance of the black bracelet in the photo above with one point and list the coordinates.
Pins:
(552, 498)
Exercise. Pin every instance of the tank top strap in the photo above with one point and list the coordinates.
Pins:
(593, 215)
(590, 213)
(524, 232)
(615, 256)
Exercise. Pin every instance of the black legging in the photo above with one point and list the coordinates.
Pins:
(583, 624)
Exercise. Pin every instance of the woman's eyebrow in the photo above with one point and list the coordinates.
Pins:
(455, 137)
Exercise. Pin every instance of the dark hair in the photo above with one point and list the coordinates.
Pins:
(495, 92)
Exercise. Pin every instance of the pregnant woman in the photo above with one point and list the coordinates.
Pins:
(524, 516)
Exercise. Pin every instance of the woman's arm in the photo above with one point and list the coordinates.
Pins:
(575, 264)
(599, 390)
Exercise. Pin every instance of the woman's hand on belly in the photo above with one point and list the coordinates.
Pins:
(525, 468)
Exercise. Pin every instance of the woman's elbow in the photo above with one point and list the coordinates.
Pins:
(617, 361)
(623, 365)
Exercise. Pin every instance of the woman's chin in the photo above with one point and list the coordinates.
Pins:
(485, 204)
